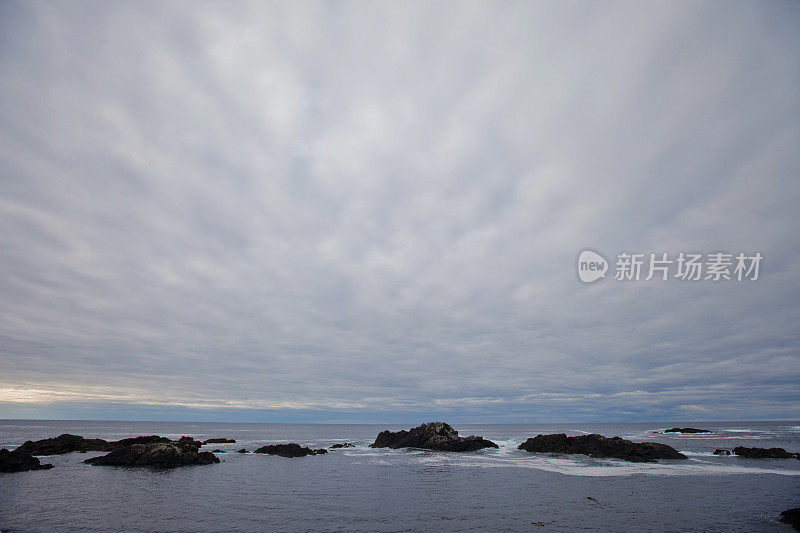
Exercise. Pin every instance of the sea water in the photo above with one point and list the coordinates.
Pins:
(365, 489)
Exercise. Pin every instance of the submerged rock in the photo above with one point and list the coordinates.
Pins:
(218, 451)
(288, 450)
(686, 430)
(221, 440)
(764, 453)
(431, 436)
(720, 451)
(791, 517)
(595, 445)
(342, 445)
(159, 454)
(243, 450)
(17, 461)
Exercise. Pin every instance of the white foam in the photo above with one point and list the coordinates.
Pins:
(574, 466)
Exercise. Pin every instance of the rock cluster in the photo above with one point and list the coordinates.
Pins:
(764, 453)
(720, 451)
(17, 461)
(169, 454)
(289, 450)
(342, 445)
(595, 445)
(67, 443)
(431, 436)
(686, 430)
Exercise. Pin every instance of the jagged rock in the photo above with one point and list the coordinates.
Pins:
(595, 445)
(287, 450)
(218, 451)
(791, 517)
(764, 453)
(342, 445)
(431, 436)
(189, 441)
(65, 443)
(220, 440)
(243, 450)
(720, 451)
(17, 461)
(149, 439)
(686, 430)
(320, 451)
(159, 454)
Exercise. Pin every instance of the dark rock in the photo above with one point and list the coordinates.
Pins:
(686, 430)
(342, 445)
(431, 436)
(764, 453)
(221, 440)
(720, 451)
(159, 454)
(218, 451)
(792, 517)
(149, 439)
(599, 446)
(17, 461)
(65, 443)
(286, 450)
(243, 450)
(189, 441)
(320, 451)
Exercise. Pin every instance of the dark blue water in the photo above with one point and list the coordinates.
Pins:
(362, 489)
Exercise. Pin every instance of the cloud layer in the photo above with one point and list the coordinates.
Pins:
(349, 208)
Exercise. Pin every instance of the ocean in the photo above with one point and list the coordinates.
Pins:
(374, 490)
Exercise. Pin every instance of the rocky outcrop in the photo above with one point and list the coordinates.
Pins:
(17, 461)
(342, 445)
(686, 430)
(431, 436)
(221, 440)
(189, 441)
(288, 450)
(243, 450)
(792, 517)
(218, 451)
(595, 445)
(720, 451)
(170, 454)
(149, 439)
(67, 443)
(764, 453)
(62, 444)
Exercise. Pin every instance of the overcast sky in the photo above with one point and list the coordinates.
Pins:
(372, 211)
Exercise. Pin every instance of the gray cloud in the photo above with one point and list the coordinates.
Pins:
(344, 208)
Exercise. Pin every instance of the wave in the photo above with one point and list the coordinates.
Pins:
(572, 466)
